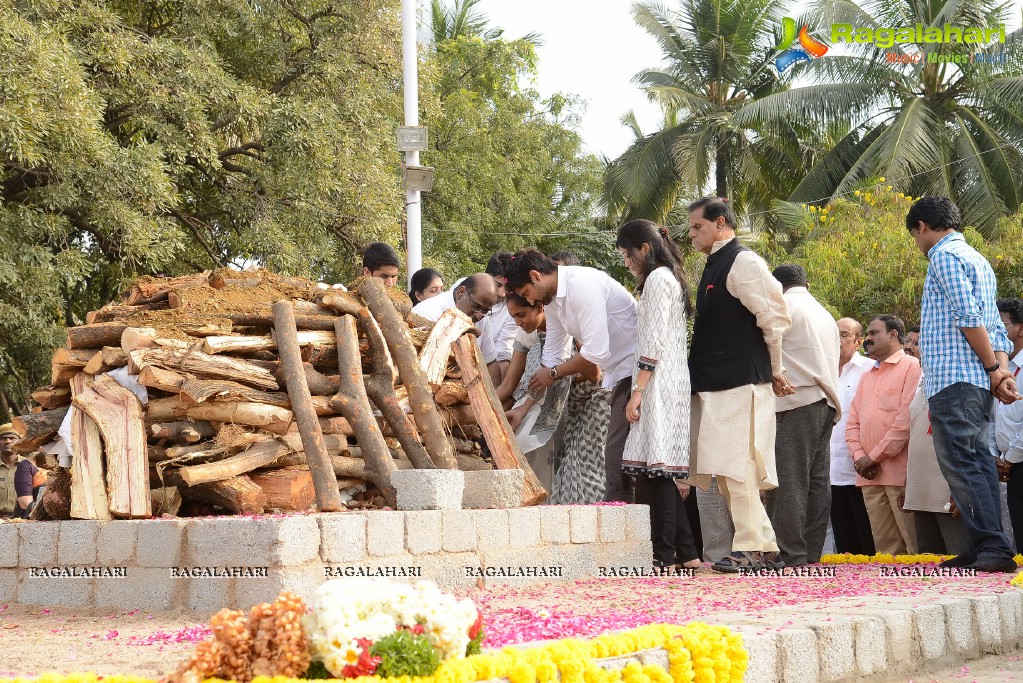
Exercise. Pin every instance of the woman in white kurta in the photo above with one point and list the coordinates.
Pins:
(657, 449)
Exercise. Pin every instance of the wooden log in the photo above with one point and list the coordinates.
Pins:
(150, 290)
(288, 489)
(245, 344)
(451, 392)
(338, 300)
(121, 312)
(504, 447)
(320, 356)
(324, 323)
(66, 363)
(52, 396)
(393, 328)
(254, 457)
(95, 365)
(182, 431)
(118, 414)
(205, 365)
(238, 495)
(353, 402)
(158, 378)
(166, 500)
(95, 336)
(207, 450)
(267, 417)
(36, 429)
(135, 338)
(114, 357)
(88, 488)
(451, 325)
(328, 498)
(199, 390)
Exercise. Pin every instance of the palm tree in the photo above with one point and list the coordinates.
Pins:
(926, 127)
(718, 61)
(464, 20)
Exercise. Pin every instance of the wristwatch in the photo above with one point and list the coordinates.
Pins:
(993, 368)
(554, 372)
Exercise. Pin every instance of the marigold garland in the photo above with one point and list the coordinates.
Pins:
(885, 558)
(697, 653)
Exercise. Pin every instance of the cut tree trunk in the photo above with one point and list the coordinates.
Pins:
(117, 312)
(451, 325)
(244, 344)
(504, 447)
(52, 396)
(289, 489)
(67, 363)
(451, 392)
(88, 490)
(218, 281)
(148, 291)
(238, 495)
(266, 417)
(254, 457)
(353, 402)
(183, 431)
(323, 323)
(394, 330)
(95, 365)
(36, 429)
(114, 356)
(135, 338)
(328, 498)
(166, 500)
(344, 303)
(95, 336)
(205, 365)
(199, 390)
(118, 414)
(164, 380)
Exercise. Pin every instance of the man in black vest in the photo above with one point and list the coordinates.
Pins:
(735, 365)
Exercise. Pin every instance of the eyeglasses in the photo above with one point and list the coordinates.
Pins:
(478, 308)
(912, 342)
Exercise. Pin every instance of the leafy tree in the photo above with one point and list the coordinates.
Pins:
(930, 128)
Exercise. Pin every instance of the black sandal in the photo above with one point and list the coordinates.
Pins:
(771, 561)
(739, 561)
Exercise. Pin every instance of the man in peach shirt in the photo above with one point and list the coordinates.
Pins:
(878, 433)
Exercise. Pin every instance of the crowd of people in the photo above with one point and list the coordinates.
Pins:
(799, 431)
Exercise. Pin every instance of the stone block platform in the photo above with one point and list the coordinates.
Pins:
(210, 563)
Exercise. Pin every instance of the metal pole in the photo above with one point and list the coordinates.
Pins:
(410, 83)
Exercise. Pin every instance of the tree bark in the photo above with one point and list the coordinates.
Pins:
(205, 365)
(114, 356)
(289, 488)
(153, 290)
(394, 330)
(451, 325)
(52, 396)
(88, 491)
(254, 457)
(183, 432)
(499, 435)
(328, 498)
(118, 414)
(451, 392)
(119, 312)
(35, 429)
(343, 303)
(239, 495)
(266, 417)
(200, 390)
(323, 323)
(353, 402)
(95, 336)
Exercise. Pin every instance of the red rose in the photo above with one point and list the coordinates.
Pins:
(366, 665)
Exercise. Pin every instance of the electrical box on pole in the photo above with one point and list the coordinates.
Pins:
(412, 139)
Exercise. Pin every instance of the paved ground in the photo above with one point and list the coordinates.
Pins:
(1007, 668)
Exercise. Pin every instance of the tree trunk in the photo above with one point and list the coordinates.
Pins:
(394, 330)
(266, 417)
(328, 498)
(35, 429)
(451, 392)
(182, 432)
(164, 380)
(289, 489)
(254, 457)
(95, 336)
(114, 356)
(239, 495)
(200, 390)
(451, 325)
(166, 500)
(205, 365)
(119, 312)
(498, 433)
(353, 402)
(720, 173)
(343, 303)
(323, 323)
(152, 290)
(118, 414)
(52, 396)
(88, 490)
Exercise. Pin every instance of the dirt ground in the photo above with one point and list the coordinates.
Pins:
(1005, 668)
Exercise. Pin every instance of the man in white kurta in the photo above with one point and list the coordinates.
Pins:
(736, 371)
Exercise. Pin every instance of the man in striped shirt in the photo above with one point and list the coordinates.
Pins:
(964, 352)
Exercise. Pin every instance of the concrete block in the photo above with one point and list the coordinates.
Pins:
(296, 542)
(76, 542)
(871, 646)
(989, 623)
(627, 554)
(70, 592)
(492, 530)
(637, 522)
(143, 588)
(458, 531)
(763, 650)
(428, 489)
(8, 584)
(37, 544)
(524, 527)
(160, 543)
(423, 531)
(342, 537)
(210, 594)
(932, 640)
(960, 635)
(903, 650)
(493, 489)
(555, 526)
(449, 570)
(583, 523)
(835, 646)
(385, 533)
(1010, 610)
(9, 542)
(521, 567)
(578, 561)
(229, 542)
(799, 660)
(115, 542)
(612, 523)
(302, 580)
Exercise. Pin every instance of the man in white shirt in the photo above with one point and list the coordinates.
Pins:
(849, 519)
(475, 296)
(588, 305)
(799, 507)
(1007, 425)
(497, 330)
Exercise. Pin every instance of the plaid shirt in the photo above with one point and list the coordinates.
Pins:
(960, 291)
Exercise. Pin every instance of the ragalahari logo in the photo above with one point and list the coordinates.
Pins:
(808, 48)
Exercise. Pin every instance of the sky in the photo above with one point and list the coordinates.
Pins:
(590, 49)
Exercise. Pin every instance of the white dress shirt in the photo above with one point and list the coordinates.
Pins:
(842, 471)
(602, 317)
(1007, 425)
(434, 307)
(497, 334)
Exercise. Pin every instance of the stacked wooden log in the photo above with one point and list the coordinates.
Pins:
(264, 393)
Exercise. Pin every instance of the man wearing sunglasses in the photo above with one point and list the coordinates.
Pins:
(474, 296)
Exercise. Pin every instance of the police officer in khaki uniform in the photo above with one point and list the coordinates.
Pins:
(10, 501)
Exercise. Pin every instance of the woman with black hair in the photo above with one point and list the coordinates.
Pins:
(425, 284)
(657, 449)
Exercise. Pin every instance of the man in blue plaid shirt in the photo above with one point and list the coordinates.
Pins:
(964, 350)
